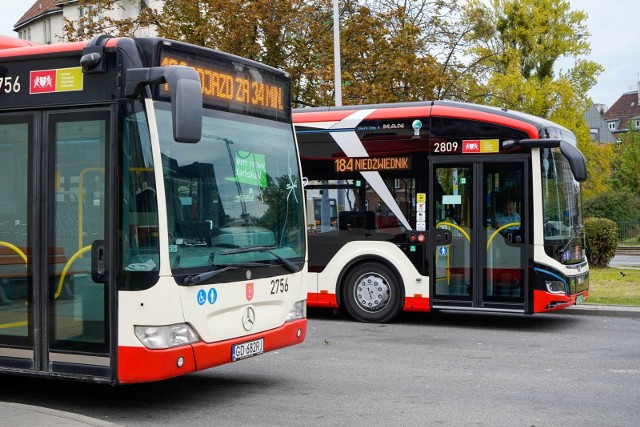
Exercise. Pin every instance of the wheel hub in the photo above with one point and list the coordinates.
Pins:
(372, 292)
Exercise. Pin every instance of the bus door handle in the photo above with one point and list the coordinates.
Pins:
(443, 237)
(99, 272)
(514, 237)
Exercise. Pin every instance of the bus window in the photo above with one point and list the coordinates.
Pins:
(140, 235)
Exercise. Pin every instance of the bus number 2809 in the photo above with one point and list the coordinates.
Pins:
(445, 147)
(279, 286)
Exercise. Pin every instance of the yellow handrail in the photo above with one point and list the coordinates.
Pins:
(511, 224)
(460, 229)
(15, 249)
(66, 268)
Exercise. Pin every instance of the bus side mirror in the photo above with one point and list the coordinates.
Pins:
(186, 96)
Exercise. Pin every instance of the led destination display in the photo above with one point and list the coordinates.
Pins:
(234, 87)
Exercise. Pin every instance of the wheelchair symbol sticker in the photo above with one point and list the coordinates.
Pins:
(202, 297)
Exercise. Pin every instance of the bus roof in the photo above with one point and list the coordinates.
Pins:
(12, 47)
(532, 125)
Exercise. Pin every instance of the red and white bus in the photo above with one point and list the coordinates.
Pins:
(151, 218)
(409, 208)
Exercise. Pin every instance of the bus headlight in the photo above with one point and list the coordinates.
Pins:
(555, 286)
(159, 337)
(298, 311)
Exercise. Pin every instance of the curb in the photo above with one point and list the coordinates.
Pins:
(18, 414)
(604, 310)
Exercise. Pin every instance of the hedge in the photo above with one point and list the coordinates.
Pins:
(602, 240)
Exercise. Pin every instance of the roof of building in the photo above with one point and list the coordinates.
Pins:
(38, 9)
(595, 121)
(624, 109)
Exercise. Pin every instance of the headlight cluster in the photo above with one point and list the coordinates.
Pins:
(555, 287)
(159, 337)
(298, 311)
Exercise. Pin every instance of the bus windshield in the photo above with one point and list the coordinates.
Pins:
(236, 189)
(562, 209)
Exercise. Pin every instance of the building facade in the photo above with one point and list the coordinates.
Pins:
(44, 21)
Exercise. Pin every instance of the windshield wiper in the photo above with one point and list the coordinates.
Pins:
(194, 279)
(294, 268)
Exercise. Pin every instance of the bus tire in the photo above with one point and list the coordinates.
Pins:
(372, 292)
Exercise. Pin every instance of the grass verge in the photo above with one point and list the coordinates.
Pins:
(607, 286)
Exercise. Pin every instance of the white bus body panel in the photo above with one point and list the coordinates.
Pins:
(413, 282)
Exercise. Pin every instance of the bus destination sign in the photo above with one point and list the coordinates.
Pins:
(233, 87)
(364, 164)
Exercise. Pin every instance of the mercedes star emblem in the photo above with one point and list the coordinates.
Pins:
(248, 319)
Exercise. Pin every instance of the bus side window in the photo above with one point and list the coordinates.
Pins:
(357, 221)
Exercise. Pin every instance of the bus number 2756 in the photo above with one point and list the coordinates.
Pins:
(279, 286)
(8, 84)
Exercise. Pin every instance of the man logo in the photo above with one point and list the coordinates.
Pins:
(249, 291)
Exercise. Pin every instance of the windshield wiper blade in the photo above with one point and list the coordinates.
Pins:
(291, 266)
(194, 279)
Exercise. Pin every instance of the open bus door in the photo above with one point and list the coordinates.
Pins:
(479, 262)
(56, 302)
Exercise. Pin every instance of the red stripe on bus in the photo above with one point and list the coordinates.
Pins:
(322, 300)
(322, 116)
(210, 355)
(544, 301)
(139, 364)
(416, 304)
(43, 49)
(483, 116)
(417, 112)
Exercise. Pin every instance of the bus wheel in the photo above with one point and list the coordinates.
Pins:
(372, 293)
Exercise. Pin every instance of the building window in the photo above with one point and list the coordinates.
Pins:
(594, 135)
(46, 36)
(612, 125)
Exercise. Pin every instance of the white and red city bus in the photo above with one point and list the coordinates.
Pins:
(407, 209)
(151, 218)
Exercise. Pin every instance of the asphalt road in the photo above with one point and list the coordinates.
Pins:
(447, 369)
(622, 260)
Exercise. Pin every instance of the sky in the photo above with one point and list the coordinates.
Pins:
(613, 25)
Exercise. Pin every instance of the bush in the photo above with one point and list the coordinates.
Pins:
(602, 240)
(618, 206)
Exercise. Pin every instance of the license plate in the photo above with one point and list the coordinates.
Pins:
(247, 349)
(579, 299)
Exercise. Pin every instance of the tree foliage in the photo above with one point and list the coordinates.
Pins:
(600, 160)
(627, 161)
(618, 206)
(518, 44)
(602, 240)
(97, 17)
(391, 50)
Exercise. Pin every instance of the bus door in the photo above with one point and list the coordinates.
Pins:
(55, 302)
(479, 211)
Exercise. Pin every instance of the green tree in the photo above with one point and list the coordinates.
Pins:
(618, 206)
(391, 50)
(600, 161)
(627, 161)
(519, 43)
